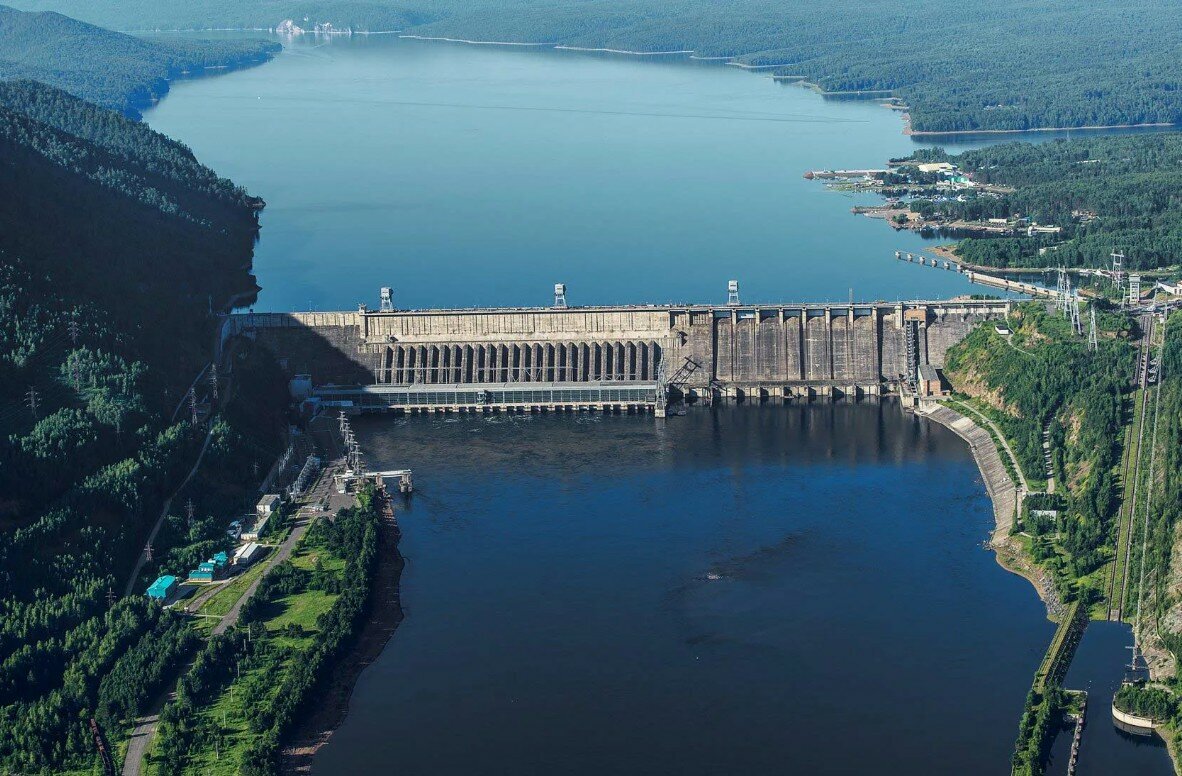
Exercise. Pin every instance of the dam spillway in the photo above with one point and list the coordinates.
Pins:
(617, 356)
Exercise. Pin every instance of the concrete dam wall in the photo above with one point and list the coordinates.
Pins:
(707, 352)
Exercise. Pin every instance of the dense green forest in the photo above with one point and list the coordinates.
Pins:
(1047, 377)
(118, 71)
(115, 243)
(1008, 65)
(305, 614)
(1128, 185)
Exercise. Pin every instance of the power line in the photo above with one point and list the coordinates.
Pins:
(31, 401)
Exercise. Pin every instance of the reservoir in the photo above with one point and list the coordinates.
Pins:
(482, 175)
(758, 590)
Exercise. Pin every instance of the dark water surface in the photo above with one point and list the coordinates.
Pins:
(1098, 668)
(745, 590)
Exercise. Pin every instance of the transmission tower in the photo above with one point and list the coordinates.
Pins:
(193, 404)
(1118, 263)
(1076, 323)
(110, 597)
(189, 511)
(148, 552)
(32, 401)
(213, 380)
(1062, 287)
(1093, 334)
(74, 330)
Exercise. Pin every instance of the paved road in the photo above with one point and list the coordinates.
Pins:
(302, 521)
(1025, 486)
(146, 726)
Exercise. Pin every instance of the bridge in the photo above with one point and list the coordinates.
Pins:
(611, 357)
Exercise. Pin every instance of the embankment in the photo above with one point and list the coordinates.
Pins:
(1005, 497)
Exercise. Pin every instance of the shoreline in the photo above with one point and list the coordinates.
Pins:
(316, 727)
(886, 97)
(922, 133)
(1003, 494)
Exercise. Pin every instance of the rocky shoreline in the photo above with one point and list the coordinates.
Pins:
(1006, 498)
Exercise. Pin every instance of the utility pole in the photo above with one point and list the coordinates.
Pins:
(31, 401)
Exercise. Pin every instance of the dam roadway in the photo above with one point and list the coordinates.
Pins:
(619, 357)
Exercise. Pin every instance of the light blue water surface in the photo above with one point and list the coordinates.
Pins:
(469, 175)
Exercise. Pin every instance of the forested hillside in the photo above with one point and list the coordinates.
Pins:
(1009, 65)
(1106, 193)
(118, 71)
(114, 244)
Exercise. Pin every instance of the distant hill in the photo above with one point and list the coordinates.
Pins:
(1005, 65)
(118, 71)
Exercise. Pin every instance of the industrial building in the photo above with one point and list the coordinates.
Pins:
(163, 588)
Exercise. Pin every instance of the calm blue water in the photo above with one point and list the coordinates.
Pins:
(467, 175)
(1098, 668)
(741, 590)
(737, 591)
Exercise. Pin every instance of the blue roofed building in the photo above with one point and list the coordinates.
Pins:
(162, 588)
(204, 573)
(220, 560)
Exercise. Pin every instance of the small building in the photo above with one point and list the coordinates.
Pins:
(256, 531)
(163, 588)
(941, 168)
(929, 381)
(247, 554)
(220, 560)
(268, 505)
(1003, 330)
(206, 572)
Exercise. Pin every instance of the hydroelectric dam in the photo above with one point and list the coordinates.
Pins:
(615, 358)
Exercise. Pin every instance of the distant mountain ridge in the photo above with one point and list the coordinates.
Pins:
(112, 69)
(1005, 65)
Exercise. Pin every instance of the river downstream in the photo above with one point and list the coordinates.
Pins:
(743, 590)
